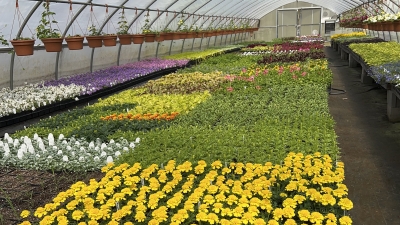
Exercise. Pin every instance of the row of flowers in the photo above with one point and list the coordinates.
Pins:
(60, 154)
(303, 189)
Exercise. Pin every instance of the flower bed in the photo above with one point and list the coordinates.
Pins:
(292, 56)
(303, 189)
(347, 35)
(62, 154)
(201, 55)
(386, 73)
(375, 54)
(109, 77)
(32, 96)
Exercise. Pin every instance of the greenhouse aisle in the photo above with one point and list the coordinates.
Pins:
(369, 143)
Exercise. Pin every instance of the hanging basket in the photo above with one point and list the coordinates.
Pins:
(190, 35)
(110, 40)
(160, 37)
(74, 43)
(168, 36)
(23, 47)
(138, 38)
(125, 39)
(150, 37)
(396, 25)
(95, 41)
(176, 36)
(198, 34)
(52, 44)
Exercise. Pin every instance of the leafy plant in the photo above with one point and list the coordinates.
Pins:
(375, 54)
(45, 29)
(93, 31)
(123, 24)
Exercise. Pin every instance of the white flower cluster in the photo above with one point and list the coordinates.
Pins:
(383, 17)
(62, 154)
(32, 96)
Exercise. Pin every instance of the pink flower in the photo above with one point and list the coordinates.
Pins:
(294, 77)
(304, 74)
(230, 89)
(265, 71)
(244, 70)
(230, 78)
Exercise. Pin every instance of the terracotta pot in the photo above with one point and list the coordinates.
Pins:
(168, 36)
(199, 34)
(176, 36)
(182, 35)
(160, 37)
(94, 41)
(396, 26)
(110, 40)
(138, 38)
(389, 26)
(23, 47)
(190, 35)
(52, 44)
(365, 25)
(74, 43)
(150, 37)
(125, 39)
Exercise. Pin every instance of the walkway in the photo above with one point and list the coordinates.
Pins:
(369, 143)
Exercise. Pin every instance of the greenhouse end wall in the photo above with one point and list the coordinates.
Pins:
(268, 23)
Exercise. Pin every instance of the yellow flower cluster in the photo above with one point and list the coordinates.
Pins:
(347, 35)
(301, 190)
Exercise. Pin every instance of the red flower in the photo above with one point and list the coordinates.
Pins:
(230, 89)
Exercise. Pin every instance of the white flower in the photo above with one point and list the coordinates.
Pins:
(110, 159)
(125, 149)
(65, 158)
(20, 154)
(50, 157)
(91, 145)
(37, 156)
(59, 152)
(51, 139)
(73, 153)
(97, 148)
(132, 145)
(55, 147)
(61, 137)
(103, 154)
(117, 153)
(69, 148)
(112, 141)
(137, 140)
(35, 136)
(76, 98)
(77, 143)
(103, 146)
(96, 158)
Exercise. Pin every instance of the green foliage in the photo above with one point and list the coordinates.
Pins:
(123, 24)
(185, 83)
(201, 55)
(44, 29)
(375, 54)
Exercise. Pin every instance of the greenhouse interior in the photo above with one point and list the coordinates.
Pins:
(224, 112)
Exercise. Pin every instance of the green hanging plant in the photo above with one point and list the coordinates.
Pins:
(44, 29)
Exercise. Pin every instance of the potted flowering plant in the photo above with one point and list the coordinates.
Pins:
(110, 40)
(94, 38)
(74, 42)
(50, 36)
(150, 34)
(124, 37)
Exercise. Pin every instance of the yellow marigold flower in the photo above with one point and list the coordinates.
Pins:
(226, 212)
(340, 192)
(259, 221)
(316, 217)
(107, 167)
(77, 215)
(25, 213)
(25, 223)
(288, 212)
(331, 216)
(199, 169)
(140, 216)
(236, 221)
(328, 199)
(153, 222)
(201, 216)
(299, 198)
(220, 197)
(225, 222)
(283, 195)
(216, 165)
(232, 199)
(248, 218)
(128, 223)
(160, 214)
(217, 207)
(278, 213)
(345, 220)
(253, 210)
(40, 212)
(226, 170)
(289, 202)
(95, 214)
(273, 222)
(212, 218)
(345, 203)
(304, 215)
(290, 222)
(212, 189)
(93, 222)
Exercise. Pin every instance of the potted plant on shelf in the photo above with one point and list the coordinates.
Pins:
(124, 37)
(94, 38)
(50, 36)
(74, 42)
(149, 34)
(110, 40)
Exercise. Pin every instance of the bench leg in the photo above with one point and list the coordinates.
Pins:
(393, 107)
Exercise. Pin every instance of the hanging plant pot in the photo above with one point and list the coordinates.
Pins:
(74, 43)
(396, 25)
(95, 41)
(150, 37)
(190, 35)
(176, 36)
(198, 34)
(183, 35)
(23, 47)
(160, 37)
(110, 40)
(138, 38)
(168, 36)
(52, 44)
(125, 39)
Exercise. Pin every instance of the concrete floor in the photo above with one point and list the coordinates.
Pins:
(369, 143)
